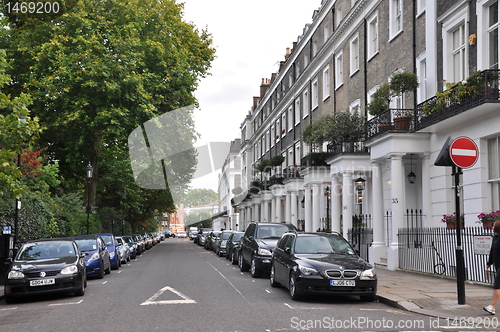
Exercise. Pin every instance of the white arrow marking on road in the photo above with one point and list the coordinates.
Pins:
(463, 152)
(67, 303)
(152, 299)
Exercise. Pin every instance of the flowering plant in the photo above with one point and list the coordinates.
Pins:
(489, 217)
(452, 219)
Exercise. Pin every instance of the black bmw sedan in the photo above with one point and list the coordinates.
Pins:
(46, 266)
(321, 263)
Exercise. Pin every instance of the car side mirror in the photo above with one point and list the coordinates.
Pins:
(251, 237)
(288, 250)
(83, 254)
(118, 244)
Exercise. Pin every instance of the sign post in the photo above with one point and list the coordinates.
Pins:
(461, 153)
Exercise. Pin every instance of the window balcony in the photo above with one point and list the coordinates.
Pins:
(394, 120)
(480, 88)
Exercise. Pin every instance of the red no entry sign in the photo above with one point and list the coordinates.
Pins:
(464, 152)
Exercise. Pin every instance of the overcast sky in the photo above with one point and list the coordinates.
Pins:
(251, 38)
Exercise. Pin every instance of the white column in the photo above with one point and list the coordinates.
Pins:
(397, 182)
(279, 213)
(308, 209)
(377, 249)
(426, 190)
(288, 210)
(265, 211)
(335, 200)
(316, 223)
(273, 209)
(347, 202)
(293, 207)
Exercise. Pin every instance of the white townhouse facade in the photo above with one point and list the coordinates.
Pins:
(349, 50)
(229, 179)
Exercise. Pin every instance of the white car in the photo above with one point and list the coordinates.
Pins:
(181, 234)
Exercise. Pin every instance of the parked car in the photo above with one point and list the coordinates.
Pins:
(114, 255)
(233, 247)
(321, 263)
(132, 245)
(96, 252)
(257, 245)
(123, 249)
(148, 241)
(141, 245)
(202, 235)
(220, 243)
(209, 241)
(181, 234)
(46, 266)
(193, 232)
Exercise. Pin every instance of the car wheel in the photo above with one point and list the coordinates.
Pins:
(368, 298)
(9, 300)
(100, 274)
(272, 277)
(241, 263)
(234, 257)
(292, 287)
(108, 269)
(81, 290)
(254, 270)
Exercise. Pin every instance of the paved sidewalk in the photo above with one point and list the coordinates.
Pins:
(432, 295)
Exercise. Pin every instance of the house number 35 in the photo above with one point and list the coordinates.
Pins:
(395, 201)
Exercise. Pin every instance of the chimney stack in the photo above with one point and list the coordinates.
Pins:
(264, 85)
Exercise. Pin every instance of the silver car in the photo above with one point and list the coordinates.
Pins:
(123, 248)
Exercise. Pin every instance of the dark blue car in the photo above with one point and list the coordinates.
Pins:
(96, 252)
(114, 255)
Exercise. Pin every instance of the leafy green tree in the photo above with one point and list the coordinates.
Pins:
(199, 197)
(97, 72)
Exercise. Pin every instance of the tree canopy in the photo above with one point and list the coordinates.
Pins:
(96, 72)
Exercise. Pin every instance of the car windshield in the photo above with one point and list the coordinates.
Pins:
(46, 250)
(107, 239)
(237, 237)
(86, 244)
(322, 245)
(271, 231)
(205, 232)
(225, 236)
(128, 239)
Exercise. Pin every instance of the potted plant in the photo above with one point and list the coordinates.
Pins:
(451, 220)
(487, 219)
(399, 84)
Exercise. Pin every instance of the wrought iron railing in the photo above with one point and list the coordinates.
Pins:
(347, 148)
(479, 88)
(397, 120)
(433, 250)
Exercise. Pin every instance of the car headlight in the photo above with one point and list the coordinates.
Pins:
(15, 275)
(69, 270)
(112, 254)
(307, 271)
(264, 252)
(95, 256)
(367, 274)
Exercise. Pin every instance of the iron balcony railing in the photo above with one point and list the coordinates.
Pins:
(481, 87)
(397, 120)
(347, 148)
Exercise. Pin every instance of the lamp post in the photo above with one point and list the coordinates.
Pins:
(89, 206)
(327, 196)
(124, 195)
(360, 186)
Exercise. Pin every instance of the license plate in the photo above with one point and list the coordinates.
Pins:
(42, 282)
(343, 283)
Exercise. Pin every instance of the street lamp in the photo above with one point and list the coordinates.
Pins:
(360, 186)
(89, 206)
(124, 195)
(327, 195)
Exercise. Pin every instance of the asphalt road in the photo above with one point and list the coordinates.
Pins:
(179, 286)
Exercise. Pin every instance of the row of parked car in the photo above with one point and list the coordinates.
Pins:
(305, 263)
(63, 264)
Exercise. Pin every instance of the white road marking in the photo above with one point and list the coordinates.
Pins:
(152, 299)
(67, 303)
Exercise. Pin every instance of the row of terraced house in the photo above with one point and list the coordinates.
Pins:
(341, 63)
